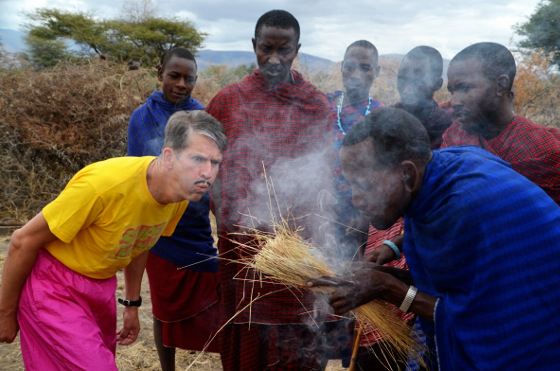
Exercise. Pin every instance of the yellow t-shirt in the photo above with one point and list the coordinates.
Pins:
(106, 216)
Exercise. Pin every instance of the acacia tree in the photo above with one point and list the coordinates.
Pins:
(541, 31)
(144, 41)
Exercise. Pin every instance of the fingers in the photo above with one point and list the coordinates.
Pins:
(126, 337)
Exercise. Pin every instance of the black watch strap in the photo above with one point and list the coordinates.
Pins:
(130, 303)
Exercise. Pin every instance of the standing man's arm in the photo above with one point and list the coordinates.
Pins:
(22, 253)
(132, 284)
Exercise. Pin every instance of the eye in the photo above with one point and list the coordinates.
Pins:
(366, 67)
(348, 67)
(285, 51)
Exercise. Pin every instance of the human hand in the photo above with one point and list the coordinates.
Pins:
(384, 254)
(8, 327)
(366, 283)
(131, 326)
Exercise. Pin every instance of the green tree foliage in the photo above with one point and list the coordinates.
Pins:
(542, 30)
(148, 41)
(144, 41)
(45, 52)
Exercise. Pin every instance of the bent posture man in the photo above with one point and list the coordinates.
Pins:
(59, 276)
(481, 243)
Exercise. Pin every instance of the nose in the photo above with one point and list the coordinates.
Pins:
(456, 99)
(357, 199)
(181, 83)
(274, 58)
(409, 89)
(206, 170)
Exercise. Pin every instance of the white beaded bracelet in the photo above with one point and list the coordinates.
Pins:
(410, 295)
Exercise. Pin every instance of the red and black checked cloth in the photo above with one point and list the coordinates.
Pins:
(532, 150)
(286, 132)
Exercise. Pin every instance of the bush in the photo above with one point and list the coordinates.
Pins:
(56, 121)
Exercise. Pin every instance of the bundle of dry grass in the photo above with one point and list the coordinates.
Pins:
(284, 257)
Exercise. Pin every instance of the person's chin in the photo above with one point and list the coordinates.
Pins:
(197, 196)
(274, 77)
(380, 223)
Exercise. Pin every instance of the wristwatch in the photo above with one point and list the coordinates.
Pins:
(130, 303)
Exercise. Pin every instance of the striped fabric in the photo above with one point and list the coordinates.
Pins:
(374, 241)
(532, 150)
(285, 133)
(485, 241)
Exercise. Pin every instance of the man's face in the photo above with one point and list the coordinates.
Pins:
(359, 71)
(276, 49)
(378, 193)
(415, 83)
(472, 95)
(178, 78)
(196, 167)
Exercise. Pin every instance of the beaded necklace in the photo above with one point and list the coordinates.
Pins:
(339, 110)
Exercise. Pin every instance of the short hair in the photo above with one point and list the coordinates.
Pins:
(396, 135)
(177, 52)
(429, 54)
(279, 19)
(182, 124)
(366, 45)
(497, 59)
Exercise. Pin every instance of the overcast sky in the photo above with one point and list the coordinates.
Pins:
(327, 27)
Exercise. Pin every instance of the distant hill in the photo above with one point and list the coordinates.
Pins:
(207, 57)
(13, 42)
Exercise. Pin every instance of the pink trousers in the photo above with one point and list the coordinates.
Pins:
(67, 321)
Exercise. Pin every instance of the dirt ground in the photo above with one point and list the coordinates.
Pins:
(141, 355)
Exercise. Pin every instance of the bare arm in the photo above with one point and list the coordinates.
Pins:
(132, 284)
(22, 253)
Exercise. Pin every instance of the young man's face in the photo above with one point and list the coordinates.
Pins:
(359, 71)
(195, 168)
(276, 49)
(378, 193)
(415, 83)
(472, 95)
(178, 79)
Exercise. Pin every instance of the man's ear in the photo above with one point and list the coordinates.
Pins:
(160, 73)
(254, 41)
(167, 157)
(410, 175)
(502, 86)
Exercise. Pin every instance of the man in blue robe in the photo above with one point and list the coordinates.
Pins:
(481, 242)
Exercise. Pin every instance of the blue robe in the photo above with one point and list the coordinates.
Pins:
(485, 241)
(191, 244)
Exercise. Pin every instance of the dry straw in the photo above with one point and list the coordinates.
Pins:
(283, 257)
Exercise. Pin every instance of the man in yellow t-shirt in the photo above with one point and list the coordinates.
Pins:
(58, 285)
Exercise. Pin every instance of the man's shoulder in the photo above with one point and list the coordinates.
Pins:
(529, 125)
